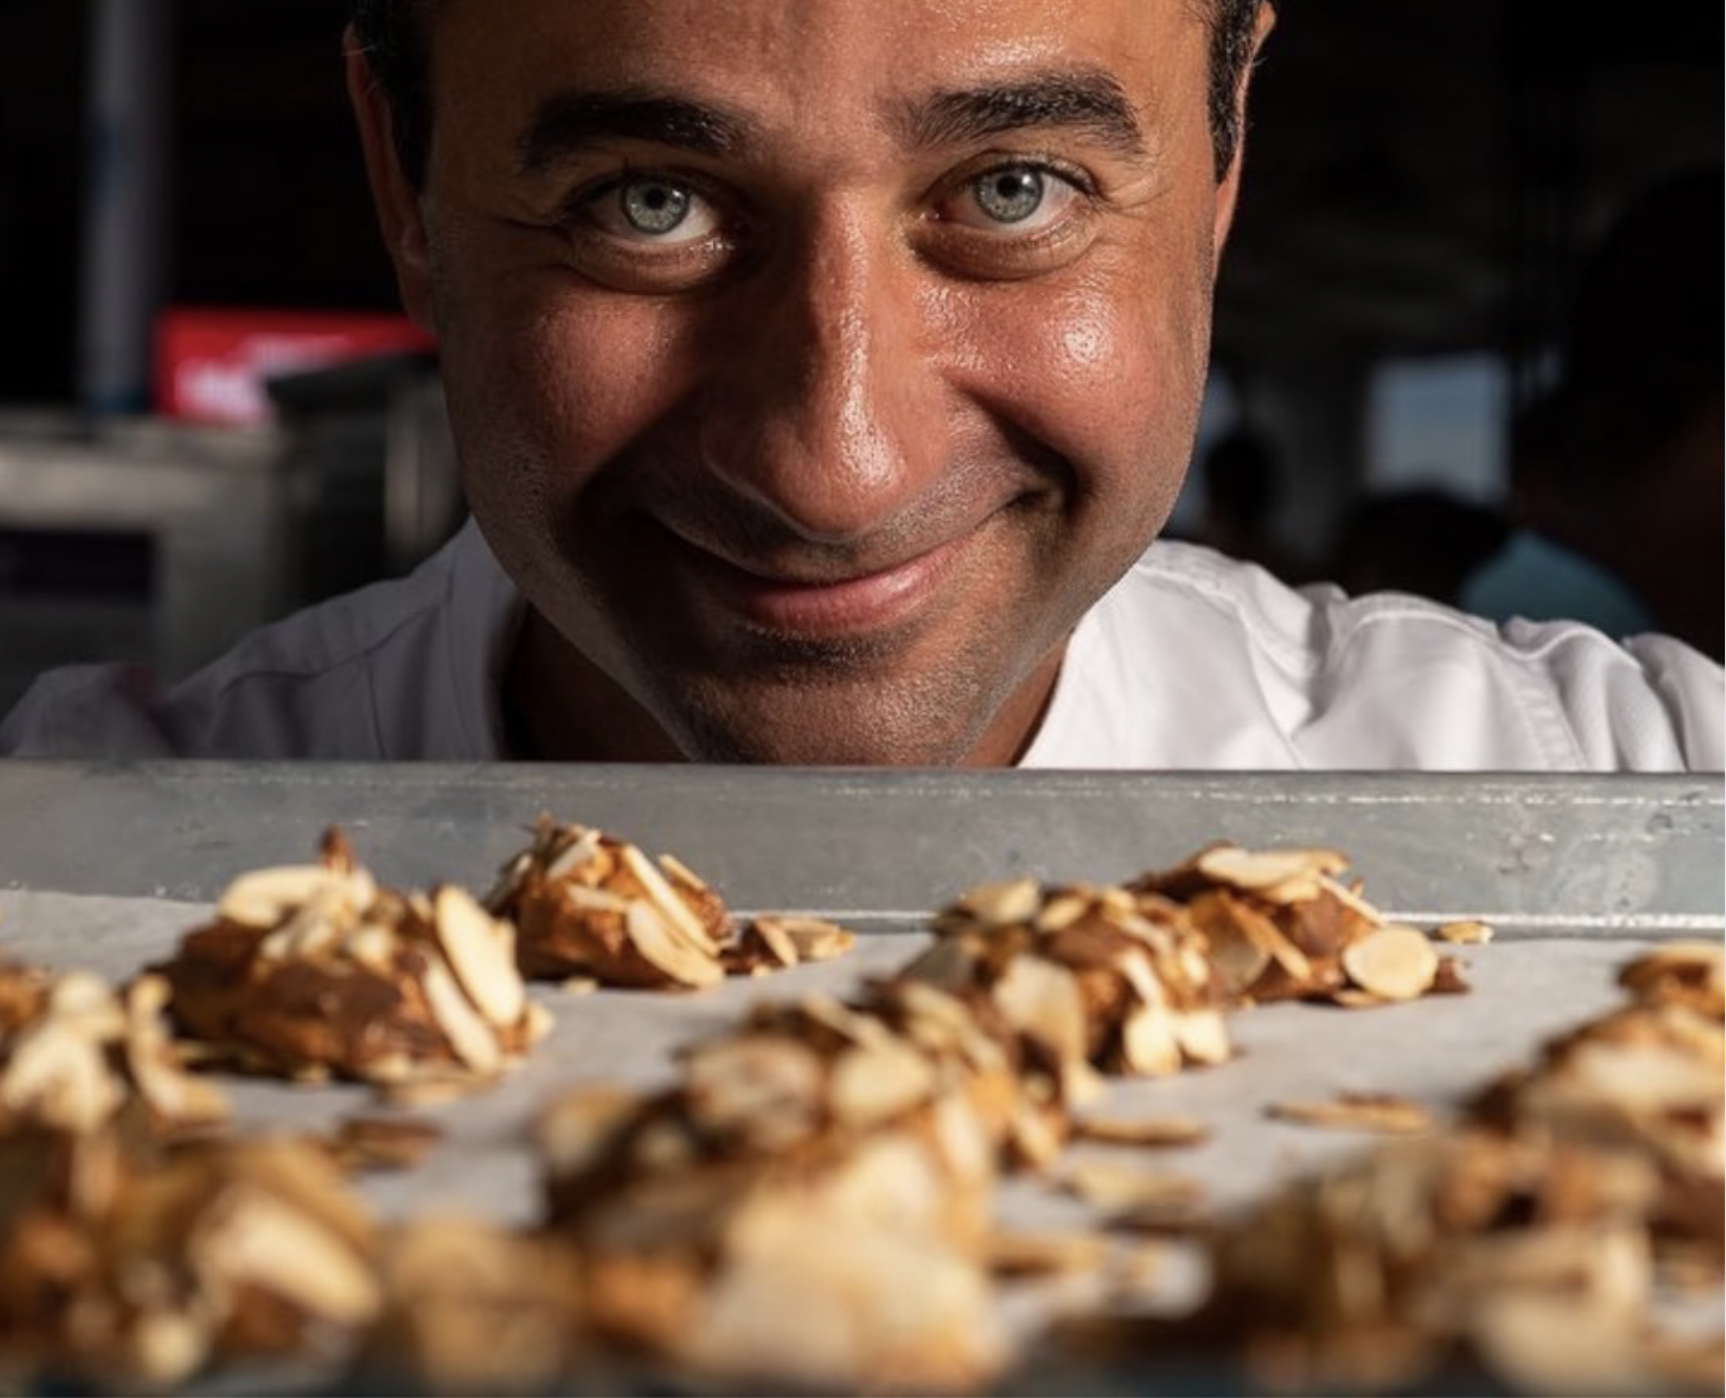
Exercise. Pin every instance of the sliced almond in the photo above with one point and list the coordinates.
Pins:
(263, 897)
(1142, 1131)
(814, 938)
(1202, 1035)
(1149, 1047)
(59, 1077)
(1464, 933)
(1026, 1254)
(868, 1086)
(1357, 1112)
(1003, 904)
(652, 935)
(481, 951)
(1042, 1000)
(1395, 962)
(664, 897)
(1258, 870)
(1116, 1186)
(579, 851)
(251, 1237)
(473, 1040)
(776, 939)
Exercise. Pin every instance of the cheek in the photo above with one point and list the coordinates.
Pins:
(1109, 376)
(549, 380)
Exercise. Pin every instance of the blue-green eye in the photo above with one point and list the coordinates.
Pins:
(1010, 195)
(1012, 201)
(653, 207)
(650, 209)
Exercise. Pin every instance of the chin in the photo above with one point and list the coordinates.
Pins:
(878, 727)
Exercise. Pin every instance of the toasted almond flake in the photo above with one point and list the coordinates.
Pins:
(1061, 912)
(428, 1088)
(1264, 933)
(1202, 1035)
(651, 933)
(1022, 1253)
(1394, 961)
(763, 1086)
(576, 853)
(578, 985)
(950, 963)
(776, 939)
(578, 1125)
(481, 951)
(1265, 869)
(253, 1237)
(679, 872)
(1116, 1186)
(473, 1040)
(670, 904)
(263, 897)
(385, 1142)
(593, 900)
(1352, 997)
(1350, 899)
(1148, 1044)
(1142, 1131)
(1357, 1112)
(1041, 999)
(59, 1077)
(815, 938)
(1003, 904)
(373, 945)
(846, 1022)
(868, 1086)
(1464, 933)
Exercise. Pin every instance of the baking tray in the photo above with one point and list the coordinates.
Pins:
(1532, 853)
(105, 866)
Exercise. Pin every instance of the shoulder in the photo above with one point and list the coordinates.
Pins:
(1195, 659)
(398, 669)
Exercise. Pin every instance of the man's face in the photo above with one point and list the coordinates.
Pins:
(814, 366)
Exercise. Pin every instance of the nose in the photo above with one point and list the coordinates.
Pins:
(825, 405)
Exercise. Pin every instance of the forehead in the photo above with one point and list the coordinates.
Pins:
(808, 64)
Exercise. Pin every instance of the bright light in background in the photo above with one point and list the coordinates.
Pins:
(1438, 422)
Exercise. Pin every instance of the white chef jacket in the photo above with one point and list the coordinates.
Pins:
(1192, 660)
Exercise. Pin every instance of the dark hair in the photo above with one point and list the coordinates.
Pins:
(392, 34)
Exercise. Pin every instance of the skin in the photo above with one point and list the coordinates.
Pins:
(827, 470)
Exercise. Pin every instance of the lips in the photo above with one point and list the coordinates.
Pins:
(853, 603)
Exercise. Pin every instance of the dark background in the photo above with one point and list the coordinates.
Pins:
(1421, 178)
(1422, 184)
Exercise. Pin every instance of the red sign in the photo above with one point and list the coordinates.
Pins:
(212, 362)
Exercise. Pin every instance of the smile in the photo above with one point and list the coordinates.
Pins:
(855, 605)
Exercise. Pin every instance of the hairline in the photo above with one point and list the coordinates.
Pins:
(392, 37)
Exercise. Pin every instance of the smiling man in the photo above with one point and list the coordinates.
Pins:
(820, 375)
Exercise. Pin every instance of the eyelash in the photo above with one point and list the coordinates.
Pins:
(966, 248)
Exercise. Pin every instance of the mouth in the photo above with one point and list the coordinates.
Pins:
(817, 605)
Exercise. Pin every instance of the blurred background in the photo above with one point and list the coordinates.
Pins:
(211, 411)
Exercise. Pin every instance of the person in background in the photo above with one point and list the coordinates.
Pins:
(1242, 489)
(820, 377)
(1423, 540)
(1619, 477)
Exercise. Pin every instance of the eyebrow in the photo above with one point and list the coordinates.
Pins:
(1088, 99)
(568, 122)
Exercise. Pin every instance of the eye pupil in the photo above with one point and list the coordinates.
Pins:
(652, 207)
(1009, 196)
